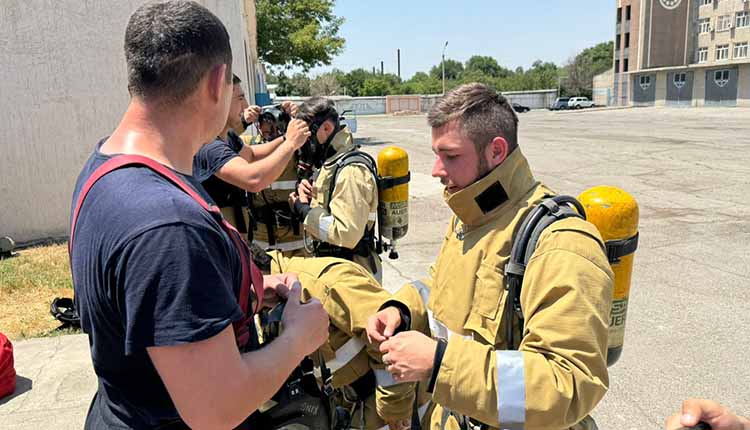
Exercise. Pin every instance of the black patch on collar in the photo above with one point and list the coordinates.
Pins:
(491, 198)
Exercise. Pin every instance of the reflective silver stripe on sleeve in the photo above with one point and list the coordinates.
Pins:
(437, 328)
(373, 216)
(424, 292)
(324, 223)
(384, 378)
(511, 389)
(283, 185)
(345, 354)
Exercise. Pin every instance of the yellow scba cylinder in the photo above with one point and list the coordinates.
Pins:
(615, 213)
(393, 195)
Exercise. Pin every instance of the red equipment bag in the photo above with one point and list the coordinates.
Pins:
(7, 371)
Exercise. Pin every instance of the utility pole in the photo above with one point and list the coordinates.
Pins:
(398, 62)
(381, 68)
(443, 64)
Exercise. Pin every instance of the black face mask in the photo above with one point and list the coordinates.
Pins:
(313, 153)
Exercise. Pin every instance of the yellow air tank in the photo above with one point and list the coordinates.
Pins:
(615, 213)
(393, 195)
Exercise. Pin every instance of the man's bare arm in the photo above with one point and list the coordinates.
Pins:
(214, 386)
(257, 175)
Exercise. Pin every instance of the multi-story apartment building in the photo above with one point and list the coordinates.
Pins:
(682, 53)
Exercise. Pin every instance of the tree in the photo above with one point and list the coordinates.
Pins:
(326, 84)
(453, 70)
(582, 68)
(298, 33)
(297, 85)
(487, 66)
(354, 81)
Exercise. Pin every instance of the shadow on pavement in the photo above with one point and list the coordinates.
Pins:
(369, 141)
(22, 385)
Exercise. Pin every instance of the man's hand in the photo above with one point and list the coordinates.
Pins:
(251, 114)
(276, 287)
(381, 326)
(409, 356)
(404, 424)
(710, 412)
(304, 191)
(290, 108)
(297, 133)
(305, 324)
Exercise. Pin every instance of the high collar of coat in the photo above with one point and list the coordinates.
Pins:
(505, 185)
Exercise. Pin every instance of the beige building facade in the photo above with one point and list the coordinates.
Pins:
(64, 87)
(682, 53)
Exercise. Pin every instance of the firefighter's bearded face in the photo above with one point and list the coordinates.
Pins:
(460, 162)
(236, 107)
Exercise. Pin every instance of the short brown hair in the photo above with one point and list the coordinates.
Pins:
(481, 112)
(170, 46)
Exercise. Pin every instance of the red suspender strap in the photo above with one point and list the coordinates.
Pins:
(250, 273)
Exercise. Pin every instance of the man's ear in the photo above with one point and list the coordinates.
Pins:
(217, 82)
(497, 151)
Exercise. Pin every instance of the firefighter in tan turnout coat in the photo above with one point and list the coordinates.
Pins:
(556, 372)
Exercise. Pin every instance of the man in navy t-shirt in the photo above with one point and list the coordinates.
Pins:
(228, 168)
(156, 277)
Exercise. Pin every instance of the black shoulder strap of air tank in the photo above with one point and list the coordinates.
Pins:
(550, 210)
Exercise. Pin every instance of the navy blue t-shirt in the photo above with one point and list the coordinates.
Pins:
(212, 157)
(151, 268)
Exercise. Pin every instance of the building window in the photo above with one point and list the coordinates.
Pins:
(743, 19)
(741, 50)
(706, 2)
(722, 52)
(702, 55)
(627, 13)
(627, 40)
(617, 41)
(625, 65)
(619, 15)
(704, 25)
(721, 77)
(617, 66)
(645, 82)
(724, 23)
(679, 80)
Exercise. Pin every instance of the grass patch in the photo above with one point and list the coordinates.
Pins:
(28, 284)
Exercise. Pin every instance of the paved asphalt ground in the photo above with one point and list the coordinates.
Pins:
(688, 331)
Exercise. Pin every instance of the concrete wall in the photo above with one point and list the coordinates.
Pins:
(63, 87)
(540, 99)
(743, 92)
(602, 88)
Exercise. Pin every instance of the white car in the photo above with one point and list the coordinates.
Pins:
(580, 103)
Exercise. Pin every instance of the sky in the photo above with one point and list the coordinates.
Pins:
(514, 32)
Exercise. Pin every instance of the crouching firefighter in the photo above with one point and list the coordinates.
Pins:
(273, 224)
(359, 392)
(487, 368)
(339, 202)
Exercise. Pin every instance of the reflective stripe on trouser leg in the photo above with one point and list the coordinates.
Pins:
(511, 389)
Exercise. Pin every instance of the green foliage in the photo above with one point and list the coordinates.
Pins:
(297, 85)
(576, 77)
(298, 33)
(581, 69)
(487, 66)
(453, 70)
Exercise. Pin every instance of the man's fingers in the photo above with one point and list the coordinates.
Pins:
(294, 295)
(390, 328)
